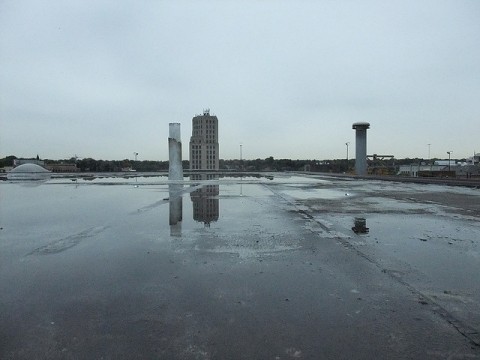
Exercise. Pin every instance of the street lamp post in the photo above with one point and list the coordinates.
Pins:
(347, 143)
(241, 162)
(429, 151)
(449, 153)
(136, 154)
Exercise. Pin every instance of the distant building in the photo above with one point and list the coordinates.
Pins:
(474, 160)
(62, 168)
(204, 142)
(440, 168)
(445, 162)
(18, 162)
(419, 170)
(6, 169)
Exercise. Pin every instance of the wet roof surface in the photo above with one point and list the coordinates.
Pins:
(238, 268)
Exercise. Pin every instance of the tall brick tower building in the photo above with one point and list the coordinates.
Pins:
(204, 142)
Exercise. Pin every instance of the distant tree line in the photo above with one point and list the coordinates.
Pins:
(268, 164)
(92, 165)
(272, 164)
(7, 161)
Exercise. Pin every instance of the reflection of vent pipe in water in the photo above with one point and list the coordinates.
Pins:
(175, 172)
(360, 226)
(176, 204)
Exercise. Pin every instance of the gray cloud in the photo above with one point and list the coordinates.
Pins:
(285, 78)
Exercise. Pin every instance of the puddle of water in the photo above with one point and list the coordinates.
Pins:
(387, 204)
(298, 180)
(306, 194)
(443, 248)
(56, 217)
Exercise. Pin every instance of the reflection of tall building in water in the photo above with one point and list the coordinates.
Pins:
(204, 142)
(205, 200)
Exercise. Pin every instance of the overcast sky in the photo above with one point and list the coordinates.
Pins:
(286, 79)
